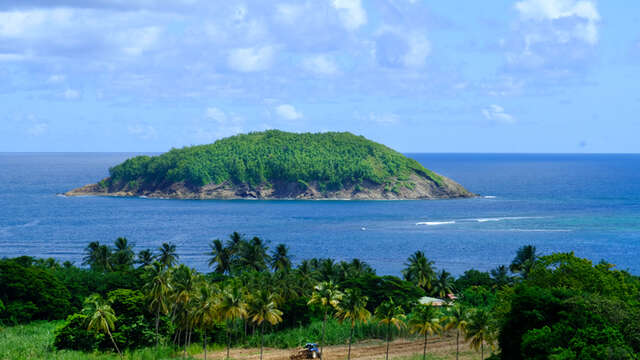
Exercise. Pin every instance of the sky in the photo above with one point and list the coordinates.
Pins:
(419, 76)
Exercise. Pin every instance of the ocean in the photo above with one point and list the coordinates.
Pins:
(588, 204)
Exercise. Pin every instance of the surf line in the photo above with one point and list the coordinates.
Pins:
(434, 223)
(479, 220)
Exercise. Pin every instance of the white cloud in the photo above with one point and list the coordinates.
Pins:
(496, 113)
(288, 112)
(320, 64)
(216, 114)
(223, 119)
(71, 94)
(288, 13)
(250, 59)
(351, 13)
(144, 132)
(556, 9)
(37, 129)
(56, 78)
(13, 57)
(134, 42)
(585, 29)
(419, 49)
(384, 119)
(399, 47)
(15, 24)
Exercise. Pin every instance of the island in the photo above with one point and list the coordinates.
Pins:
(275, 164)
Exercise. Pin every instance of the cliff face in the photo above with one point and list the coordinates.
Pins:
(417, 188)
(277, 165)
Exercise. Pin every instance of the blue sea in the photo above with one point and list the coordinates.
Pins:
(588, 204)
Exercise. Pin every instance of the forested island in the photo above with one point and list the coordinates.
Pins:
(150, 306)
(277, 165)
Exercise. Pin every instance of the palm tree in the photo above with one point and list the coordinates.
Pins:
(145, 258)
(419, 270)
(306, 276)
(167, 255)
(101, 317)
(479, 330)
(220, 256)
(524, 261)
(90, 254)
(123, 253)
(443, 284)
(388, 313)
(280, 260)
(158, 288)
(457, 319)
(98, 257)
(205, 314)
(253, 255)
(232, 307)
(235, 241)
(352, 308)
(424, 321)
(500, 275)
(263, 307)
(327, 296)
(184, 281)
(327, 269)
(358, 268)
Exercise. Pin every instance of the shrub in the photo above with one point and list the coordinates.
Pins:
(31, 293)
(73, 334)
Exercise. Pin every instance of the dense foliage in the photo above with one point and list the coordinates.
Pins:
(557, 306)
(568, 308)
(331, 159)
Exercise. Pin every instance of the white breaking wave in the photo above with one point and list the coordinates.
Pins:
(480, 220)
(539, 230)
(507, 218)
(29, 224)
(489, 197)
(434, 223)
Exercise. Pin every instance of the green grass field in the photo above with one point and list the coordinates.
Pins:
(35, 341)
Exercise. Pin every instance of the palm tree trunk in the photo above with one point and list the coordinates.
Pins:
(157, 324)
(176, 338)
(186, 335)
(114, 343)
(324, 325)
(205, 344)
(261, 340)
(424, 350)
(228, 341)
(388, 339)
(482, 350)
(350, 339)
(457, 343)
(244, 339)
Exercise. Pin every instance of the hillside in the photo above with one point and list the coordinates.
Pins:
(275, 164)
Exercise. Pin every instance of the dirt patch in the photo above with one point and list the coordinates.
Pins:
(443, 347)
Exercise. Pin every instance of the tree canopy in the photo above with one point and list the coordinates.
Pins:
(331, 159)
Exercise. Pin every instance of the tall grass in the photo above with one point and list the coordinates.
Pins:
(335, 333)
(35, 341)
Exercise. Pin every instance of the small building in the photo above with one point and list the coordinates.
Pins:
(426, 300)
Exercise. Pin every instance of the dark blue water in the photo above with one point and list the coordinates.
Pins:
(589, 204)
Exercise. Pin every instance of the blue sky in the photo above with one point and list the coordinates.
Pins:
(419, 76)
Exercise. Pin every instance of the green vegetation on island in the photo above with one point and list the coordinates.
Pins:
(277, 164)
(149, 306)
